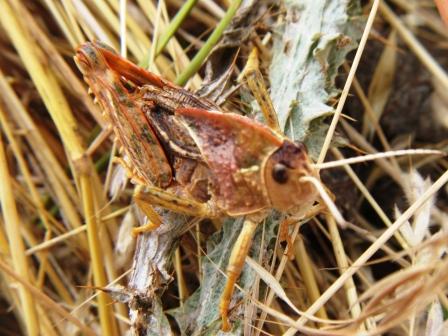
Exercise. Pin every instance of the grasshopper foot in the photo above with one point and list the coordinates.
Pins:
(148, 227)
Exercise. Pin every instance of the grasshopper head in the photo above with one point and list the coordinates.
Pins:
(90, 59)
(97, 72)
(282, 173)
(106, 84)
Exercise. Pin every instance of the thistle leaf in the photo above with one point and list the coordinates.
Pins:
(309, 47)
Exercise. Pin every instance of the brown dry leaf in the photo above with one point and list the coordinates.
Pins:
(439, 104)
(125, 243)
(434, 324)
(272, 282)
(404, 293)
(414, 186)
(382, 82)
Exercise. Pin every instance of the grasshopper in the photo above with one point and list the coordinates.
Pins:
(194, 159)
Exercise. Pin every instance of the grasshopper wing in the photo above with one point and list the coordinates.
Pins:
(125, 111)
(127, 69)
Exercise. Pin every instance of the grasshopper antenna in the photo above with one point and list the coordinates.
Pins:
(326, 199)
(370, 157)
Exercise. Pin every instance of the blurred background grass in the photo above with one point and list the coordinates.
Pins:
(59, 232)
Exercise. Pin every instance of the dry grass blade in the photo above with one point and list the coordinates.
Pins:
(351, 75)
(413, 43)
(343, 264)
(382, 80)
(17, 249)
(270, 280)
(45, 301)
(374, 247)
(60, 111)
(403, 294)
(71, 260)
(57, 179)
(38, 204)
(377, 156)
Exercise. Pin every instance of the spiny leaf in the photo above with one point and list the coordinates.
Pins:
(308, 49)
(200, 313)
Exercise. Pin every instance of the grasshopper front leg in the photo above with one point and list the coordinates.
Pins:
(234, 268)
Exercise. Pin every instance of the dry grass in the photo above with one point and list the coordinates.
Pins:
(62, 237)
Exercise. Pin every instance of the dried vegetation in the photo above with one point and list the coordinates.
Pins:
(67, 213)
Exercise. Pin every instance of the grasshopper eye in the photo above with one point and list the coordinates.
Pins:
(280, 173)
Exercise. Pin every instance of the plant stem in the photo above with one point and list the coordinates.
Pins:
(197, 61)
(174, 25)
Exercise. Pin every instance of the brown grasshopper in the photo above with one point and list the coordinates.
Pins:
(193, 159)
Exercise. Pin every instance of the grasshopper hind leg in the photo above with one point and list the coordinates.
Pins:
(154, 196)
(255, 82)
